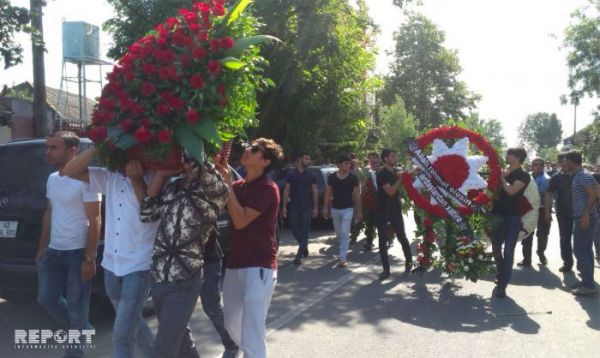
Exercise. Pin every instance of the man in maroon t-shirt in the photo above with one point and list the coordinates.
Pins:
(251, 268)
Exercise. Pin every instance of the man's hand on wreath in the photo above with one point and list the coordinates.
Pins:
(134, 170)
(222, 166)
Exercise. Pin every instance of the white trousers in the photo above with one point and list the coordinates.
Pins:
(342, 222)
(246, 298)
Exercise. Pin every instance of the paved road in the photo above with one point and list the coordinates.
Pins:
(319, 310)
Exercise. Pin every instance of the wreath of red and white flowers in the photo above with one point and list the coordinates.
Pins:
(455, 167)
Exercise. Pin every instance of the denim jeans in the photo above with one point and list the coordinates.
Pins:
(174, 303)
(597, 238)
(506, 232)
(210, 296)
(397, 222)
(565, 229)
(300, 219)
(62, 293)
(583, 249)
(128, 295)
(342, 220)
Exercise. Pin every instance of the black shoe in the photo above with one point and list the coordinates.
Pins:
(368, 246)
(500, 292)
(565, 269)
(384, 275)
(305, 253)
(524, 264)
(543, 259)
(408, 266)
(298, 260)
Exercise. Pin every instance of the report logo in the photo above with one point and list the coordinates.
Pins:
(59, 339)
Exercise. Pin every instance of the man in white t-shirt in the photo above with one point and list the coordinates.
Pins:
(128, 245)
(66, 253)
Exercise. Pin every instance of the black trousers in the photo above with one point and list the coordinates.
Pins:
(397, 222)
(565, 228)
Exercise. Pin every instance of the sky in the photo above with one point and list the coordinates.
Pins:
(510, 51)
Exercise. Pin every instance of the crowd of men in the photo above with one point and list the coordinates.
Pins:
(161, 236)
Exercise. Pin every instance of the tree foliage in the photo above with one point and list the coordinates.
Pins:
(540, 131)
(13, 19)
(424, 73)
(396, 125)
(491, 129)
(319, 102)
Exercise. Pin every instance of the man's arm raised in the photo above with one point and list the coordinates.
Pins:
(78, 167)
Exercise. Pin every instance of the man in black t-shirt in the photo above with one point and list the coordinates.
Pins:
(507, 221)
(341, 194)
(389, 211)
(559, 188)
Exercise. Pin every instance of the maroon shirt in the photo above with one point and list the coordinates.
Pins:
(254, 245)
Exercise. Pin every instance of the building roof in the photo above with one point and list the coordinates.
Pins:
(68, 108)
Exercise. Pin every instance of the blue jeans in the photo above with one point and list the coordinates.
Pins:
(62, 293)
(506, 231)
(342, 221)
(210, 296)
(300, 223)
(128, 294)
(174, 303)
(583, 249)
(565, 229)
(597, 238)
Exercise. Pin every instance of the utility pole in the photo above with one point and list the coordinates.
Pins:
(40, 121)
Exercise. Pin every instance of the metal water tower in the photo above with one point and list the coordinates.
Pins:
(81, 47)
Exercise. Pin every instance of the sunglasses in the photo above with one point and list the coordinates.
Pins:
(255, 148)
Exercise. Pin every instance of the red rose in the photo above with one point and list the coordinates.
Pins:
(185, 60)
(98, 134)
(126, 125)
(177, 103)
(162, 41)
(430, 238)
(164, 136)
(226, 42)
(218, 9)
(125, 103)
(137, 109)
(107, 103)
(171, 22)
(194, 27)
(130, 76)
(214, 44)
(196, 81)
(202, 7)
(199, 53)
(203, 36)
(169, 56)
(178, 38)
(482, 199)
(214, 67)
(148, 89)
(192, 116)
(427, 222)
(145, 122)
(142, 135)
(163, 109)
(166, 73)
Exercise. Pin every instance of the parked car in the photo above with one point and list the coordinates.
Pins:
(321, 173)
(23, 175)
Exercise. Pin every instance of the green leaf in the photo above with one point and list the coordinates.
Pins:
(190, 141)
(207, 130)
(245, 42)
(232, 63)
(119, 138)
(235, 11)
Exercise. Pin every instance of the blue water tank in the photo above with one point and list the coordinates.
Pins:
(81, 42)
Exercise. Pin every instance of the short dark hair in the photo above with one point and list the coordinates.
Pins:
(385, 152)
(574, 157)
(70, 138)
(517, 152)
(373, 154)
(301, 154)
(342, 158)
(562, 156)
(272, 151)
(538, 160)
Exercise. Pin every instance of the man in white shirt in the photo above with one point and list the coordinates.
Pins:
(66, 253)
(128, 245)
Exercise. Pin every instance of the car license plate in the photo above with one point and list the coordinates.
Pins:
(8, 229)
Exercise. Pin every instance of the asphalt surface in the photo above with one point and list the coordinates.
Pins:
(320, 310)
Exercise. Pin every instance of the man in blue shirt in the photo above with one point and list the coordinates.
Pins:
(585, 192)
(543, 226)
(303, 194)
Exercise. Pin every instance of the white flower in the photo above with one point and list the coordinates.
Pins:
(466, 268)
(480, 257)
(470, 260)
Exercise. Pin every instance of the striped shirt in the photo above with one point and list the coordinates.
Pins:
(581, 181)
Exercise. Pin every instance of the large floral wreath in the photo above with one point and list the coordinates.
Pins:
(459, 156)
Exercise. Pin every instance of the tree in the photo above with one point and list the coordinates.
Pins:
(540, 131)
(319, 102)
(491, 129)
(13, 19)
(396, 125)
(582, 39)
(424, 73)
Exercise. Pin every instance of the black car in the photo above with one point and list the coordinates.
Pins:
(23, 176)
